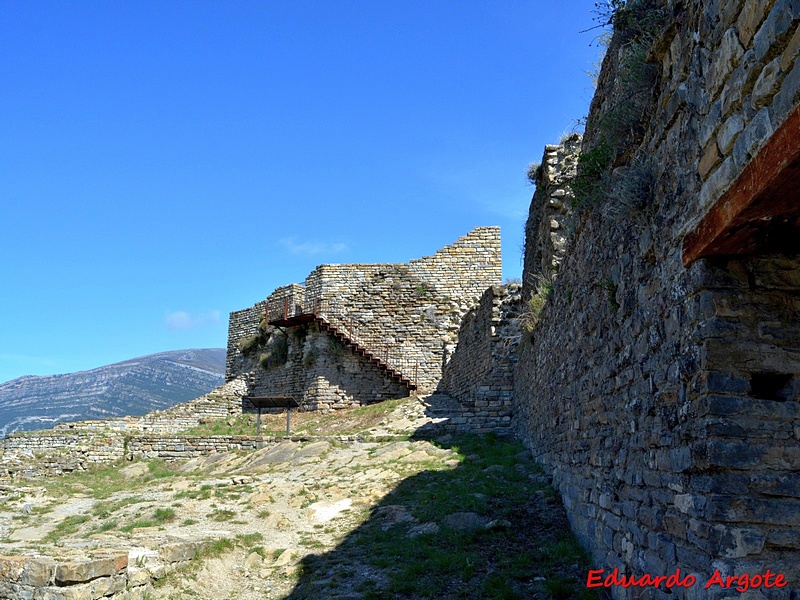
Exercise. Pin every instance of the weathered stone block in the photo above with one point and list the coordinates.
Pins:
(752, 138)
(80, 570)
(749, 19)
(765, 85)
(178, 551)
(39, 571)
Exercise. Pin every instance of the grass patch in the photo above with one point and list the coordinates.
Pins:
(160, 517)
(204, 493)
(68, 526)
(103, 510)
(107, 526)
(248, 539)
(97, 481)
(222, 515)
(159, 469)
(523, 536)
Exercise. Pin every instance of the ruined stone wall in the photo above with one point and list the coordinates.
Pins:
(480, 373)
(75, 446)
(327, 374)
(220, 403)
(411, 310)
(111, 574)
(181, 447)
(550, 213)
(241, 325)
(662, 398)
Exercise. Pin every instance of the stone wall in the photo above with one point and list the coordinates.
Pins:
(480, 373)
(664, 398)
(550, 213)
(241, 325)
(181, 447)
(411, 311)
(75, 446)
(322, 374)
(110, 574)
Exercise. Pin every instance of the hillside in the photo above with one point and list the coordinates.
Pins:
(131, 387)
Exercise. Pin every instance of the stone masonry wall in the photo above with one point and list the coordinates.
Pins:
(109, 574)
(413, 309)
(327, 374)
(241, 325)
(550, 213)
(664, 399)
(480, 374)
(74, 446)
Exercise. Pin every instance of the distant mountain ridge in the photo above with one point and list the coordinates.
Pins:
(130, 387)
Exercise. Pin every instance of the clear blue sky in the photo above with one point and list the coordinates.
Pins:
(164, 163)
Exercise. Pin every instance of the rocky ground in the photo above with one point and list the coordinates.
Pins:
(408, 513)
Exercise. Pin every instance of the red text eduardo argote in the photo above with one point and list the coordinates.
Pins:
(740, 583)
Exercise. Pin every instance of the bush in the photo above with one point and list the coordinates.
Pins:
(620, 128)
(534, 172)
(529, 319)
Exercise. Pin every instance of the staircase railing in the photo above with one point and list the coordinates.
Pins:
(391, 354)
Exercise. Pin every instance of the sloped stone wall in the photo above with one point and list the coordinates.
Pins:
(241, 325)
(75, 446)
(662, 398)
(480, 373)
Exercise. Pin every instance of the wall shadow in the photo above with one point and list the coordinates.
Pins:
(485, 525)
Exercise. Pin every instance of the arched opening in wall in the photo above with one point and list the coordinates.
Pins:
(760, 212)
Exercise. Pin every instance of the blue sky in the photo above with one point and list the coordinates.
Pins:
(164, 163)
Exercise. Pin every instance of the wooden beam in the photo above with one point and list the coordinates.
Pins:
(761, 205)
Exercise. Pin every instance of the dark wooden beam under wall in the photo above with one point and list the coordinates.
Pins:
(761, 211)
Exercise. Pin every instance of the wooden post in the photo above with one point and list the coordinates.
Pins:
(258, 421)
(288, 418)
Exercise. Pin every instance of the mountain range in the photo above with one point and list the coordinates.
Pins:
(131, 387)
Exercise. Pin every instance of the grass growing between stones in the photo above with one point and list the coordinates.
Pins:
(491, 527)
(159, 517)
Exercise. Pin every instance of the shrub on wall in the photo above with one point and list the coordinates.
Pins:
(621, 126)
(532, 309)
(277, 351)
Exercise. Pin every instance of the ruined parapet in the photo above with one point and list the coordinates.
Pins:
(551, 209)
(70, 447)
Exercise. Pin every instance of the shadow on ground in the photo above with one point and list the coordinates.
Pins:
(489, 526)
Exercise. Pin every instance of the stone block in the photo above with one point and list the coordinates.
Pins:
(778, 21)
(728, 56)
(80, 570)
(717, 182)
(178, 551)
(730, 129)
(709, 159)
(749, 20)
(39, 571)
(784, 538)
(752, 138)
(137, 577)
(790, 53)
(12, 567)
(737, 542)
(765, 85)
